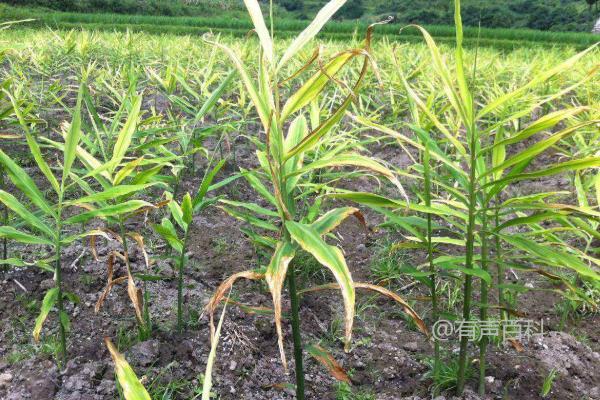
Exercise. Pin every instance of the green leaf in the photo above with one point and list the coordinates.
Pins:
(109, 194)
(551, 256)
(176, 211)
(259, 102)
(296, 132)
(536, 148)
(187, 209)
(259, 187)
(311, 30)
(539, 78)
(251, 206)
(72, 140)
(47, 304)
(34, 222)
(355, 160)
(215, 96)
(315, 85)
(206, 182)
(475, 271)
(330, 220)
(583, 163)
(127, 170)
(168, 232)
(64, 320)
(315, 136)
(332, 258)
(25, 184)
(126, 134)
(251, 219)
(22, 237)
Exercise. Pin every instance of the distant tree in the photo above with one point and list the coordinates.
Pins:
(591, 3)
(292, 5)
(352, 10)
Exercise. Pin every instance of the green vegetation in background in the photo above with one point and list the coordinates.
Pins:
(343, 30)
(554, 15)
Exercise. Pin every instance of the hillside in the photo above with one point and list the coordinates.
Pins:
(554, 15)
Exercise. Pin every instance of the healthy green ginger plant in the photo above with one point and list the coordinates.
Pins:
(183, 213)
(42, 219)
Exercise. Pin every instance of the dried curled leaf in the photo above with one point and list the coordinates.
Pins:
(223, 288)
(135, 295)
(140, 242)
(323, 356)
(275, 277)
(110, 264)
(359, 285)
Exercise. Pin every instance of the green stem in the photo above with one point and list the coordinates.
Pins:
(433, 282)
(181, 267)
(4, 222)
(499, 269)
(58, 276)
(467, 290)
(296, 333)
(483, 310)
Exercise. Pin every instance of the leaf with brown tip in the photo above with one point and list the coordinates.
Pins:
(388, 293)
(323, 356)
(275, 277)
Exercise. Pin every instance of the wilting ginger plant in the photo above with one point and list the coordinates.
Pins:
(286, 165)
(475, 136)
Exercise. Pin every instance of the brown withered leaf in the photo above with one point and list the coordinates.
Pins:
(517, 345)
(110, 281)
(322, 356)
(135, 295)
(140, 242)
(223, 288)
(250, 309)
(359, 285)
(283, 386)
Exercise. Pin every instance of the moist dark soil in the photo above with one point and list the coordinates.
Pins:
(387, 359)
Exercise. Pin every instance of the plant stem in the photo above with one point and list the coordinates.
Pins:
(180, 286)
(467, 290)
(483, 310)
(4, 222)
(433, 279)
(499, 268)
(296, 333)
(58, 280)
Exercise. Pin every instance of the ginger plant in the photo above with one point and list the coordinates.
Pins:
(42, 219)
(286, 176)
(183, 213)
(474, 164)
(112, 175)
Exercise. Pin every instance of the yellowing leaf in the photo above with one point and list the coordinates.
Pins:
(132, 387)
(47, 304)
(332, 258)
(275, 277)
